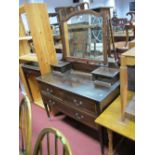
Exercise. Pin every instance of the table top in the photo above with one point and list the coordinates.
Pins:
(111, 119)
(79, 84)
(130, 53)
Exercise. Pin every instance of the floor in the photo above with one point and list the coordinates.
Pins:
(83, 140)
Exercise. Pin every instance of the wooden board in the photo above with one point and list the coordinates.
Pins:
(25, 38)
(130, 110)
(127, 58)
(132, 44)
(111, 119)
(21, 9)
(65, 40)
(42, 35)
(33, 84)
(24, 82)
(24, 47)
(129, 53)
(39, 102)
(28, 58)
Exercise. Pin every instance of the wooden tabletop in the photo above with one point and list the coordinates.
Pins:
(29, 57)
(130, 53)
(111, 119)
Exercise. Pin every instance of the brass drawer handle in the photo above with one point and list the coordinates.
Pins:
(78, 103)
(79, 116)
(49, 90)
(51, 102)
(74, 100)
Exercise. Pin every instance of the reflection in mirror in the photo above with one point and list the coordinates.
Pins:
(85, 36)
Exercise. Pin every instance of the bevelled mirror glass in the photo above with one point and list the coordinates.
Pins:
(85, 36)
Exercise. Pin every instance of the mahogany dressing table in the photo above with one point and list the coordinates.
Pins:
(86, 81)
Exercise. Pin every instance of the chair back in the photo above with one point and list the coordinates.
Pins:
(58, 137)
(25, 125)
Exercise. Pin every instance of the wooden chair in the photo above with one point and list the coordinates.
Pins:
(121, 24)
(25, 126)
(57, 136)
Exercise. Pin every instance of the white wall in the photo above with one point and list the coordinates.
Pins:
(58, 3)
(122, 7)
(97, 3)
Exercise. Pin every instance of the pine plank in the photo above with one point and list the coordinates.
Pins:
(42, 35)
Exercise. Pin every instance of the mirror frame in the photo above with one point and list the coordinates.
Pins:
(106, 37)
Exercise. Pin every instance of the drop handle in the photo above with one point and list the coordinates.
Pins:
(49, 90)
(74, 100)
(51, 102)
(78, 116)
(79, 103)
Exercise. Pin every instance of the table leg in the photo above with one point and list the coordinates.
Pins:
(101, 138)
(47, 111)
(123, 85)
(110, 144)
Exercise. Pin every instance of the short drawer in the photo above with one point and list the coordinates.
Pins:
(50, 90)
(31, 72)
(80, 102)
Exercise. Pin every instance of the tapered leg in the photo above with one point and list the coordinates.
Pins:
(103, 138)
(47, 111)
(110, 143)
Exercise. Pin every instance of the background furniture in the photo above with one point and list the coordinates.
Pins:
(25, 126)
(111, 45)
(111, 119)
(127, 59)
(55, 135)
(119, 116)
(38, 21)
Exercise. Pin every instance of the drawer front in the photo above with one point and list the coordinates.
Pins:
(69, 98)
(48, 100)
(80, 102)
(31, 72)
(50, 90)
(84, 117)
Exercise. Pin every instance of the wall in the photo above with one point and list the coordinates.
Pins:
(96, 3)
(122, 7)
